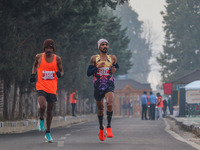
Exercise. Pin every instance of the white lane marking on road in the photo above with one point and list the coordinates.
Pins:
(68, 134)
(178, 137)
(75, 131)
(60, 143)
(62, 138)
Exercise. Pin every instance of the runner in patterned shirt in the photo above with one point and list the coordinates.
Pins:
(102, 67)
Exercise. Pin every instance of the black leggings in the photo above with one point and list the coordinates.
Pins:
(73, 108)
(144, 111)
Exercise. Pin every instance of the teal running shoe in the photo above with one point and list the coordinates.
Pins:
(48, 138)
(40, 125)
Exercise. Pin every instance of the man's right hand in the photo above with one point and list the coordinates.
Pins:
(32, 78)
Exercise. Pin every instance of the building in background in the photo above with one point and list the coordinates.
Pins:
(128, 91)
(175, 101)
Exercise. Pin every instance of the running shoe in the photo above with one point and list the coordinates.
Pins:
(109, 132)
(40, 125)
(101, 134)
(48, 138)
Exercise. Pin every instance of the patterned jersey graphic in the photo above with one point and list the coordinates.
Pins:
(103, 78)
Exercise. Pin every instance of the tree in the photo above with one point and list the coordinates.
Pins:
(85, 45)
(140, 48)
(181, 48)
(72, 24)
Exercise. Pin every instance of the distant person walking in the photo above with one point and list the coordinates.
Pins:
(73, 99)
(164, 107)
(159, 105)
(144, 105)
(148, 107)
(152, 101)
(131, 107)
(124, 106)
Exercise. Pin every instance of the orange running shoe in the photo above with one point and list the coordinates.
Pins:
(101, 134)
(109, 132)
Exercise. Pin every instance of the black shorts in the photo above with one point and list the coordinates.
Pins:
(49, 97)
(99, 94)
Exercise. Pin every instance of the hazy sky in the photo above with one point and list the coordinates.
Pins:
(149, 12)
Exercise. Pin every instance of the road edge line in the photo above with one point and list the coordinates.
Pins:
(178, 137)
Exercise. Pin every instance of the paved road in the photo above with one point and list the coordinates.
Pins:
(129, 134)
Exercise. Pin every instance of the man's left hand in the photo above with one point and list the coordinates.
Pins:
(58, 74)
(113, 69)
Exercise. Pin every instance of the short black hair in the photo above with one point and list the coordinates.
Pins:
(150, 92)
(145, 92)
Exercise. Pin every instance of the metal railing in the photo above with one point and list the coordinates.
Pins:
(192, 110)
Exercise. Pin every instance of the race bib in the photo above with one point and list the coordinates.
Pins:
(103, 72)
(48, 75)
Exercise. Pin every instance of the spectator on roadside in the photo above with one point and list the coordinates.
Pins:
(131, 107)
(144, 105)
(159, 105)
(148, 107)
(124, 106)
(73, 99)
(152, 101)
(164, 107)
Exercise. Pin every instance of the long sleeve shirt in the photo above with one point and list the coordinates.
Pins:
(143, 99)
(152, 99)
